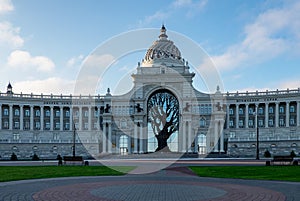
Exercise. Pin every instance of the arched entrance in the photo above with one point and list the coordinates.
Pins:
(163, 121)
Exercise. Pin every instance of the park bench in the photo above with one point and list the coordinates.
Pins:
(73, 159)
(282, 160)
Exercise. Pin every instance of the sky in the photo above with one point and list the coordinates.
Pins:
(255, 45)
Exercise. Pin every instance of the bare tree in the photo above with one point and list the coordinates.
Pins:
(163, 115)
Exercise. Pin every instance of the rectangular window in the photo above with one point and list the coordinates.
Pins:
(17, 112)
(67, 126)
(37, 125)
(271, 110)
(231, 123)
(260, 110)
(16, 125)
(57, 125)
(47, 125)
(241, 111)
(16, 136)
(260, 123)
(292, 121)
(86, 126)
(27, 113)
(281, 109)
(292, 109)
(241, 123)
(57, 113)
(37, 113)
(231, 111)
(232, 134)
(271, 122)
(67, 113)
(26, 125)
(5, 112)
(47, 113)
(250, 122)
(5, 125)
(281, 122)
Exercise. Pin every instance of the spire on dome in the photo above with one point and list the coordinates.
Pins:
(163, 31)
(9, 89)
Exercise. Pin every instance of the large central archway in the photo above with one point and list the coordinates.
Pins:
(163, 120)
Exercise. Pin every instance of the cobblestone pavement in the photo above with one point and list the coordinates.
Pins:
(174, 183)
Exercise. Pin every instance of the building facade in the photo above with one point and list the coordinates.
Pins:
(223, 123)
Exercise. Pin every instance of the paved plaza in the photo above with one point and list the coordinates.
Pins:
(176, 183)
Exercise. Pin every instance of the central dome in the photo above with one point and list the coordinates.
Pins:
(163, 51)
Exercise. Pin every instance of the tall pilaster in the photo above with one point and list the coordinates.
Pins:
(135, 134)
(90, 119)
(221, 138)
(61, 118)
(42, 118)
(247, 116)
(31, 117)
(256, 116)
(287, 114)
(21, 117)
(51, 118)
(71, 118)
(237, 116)
(104, 138)
(189, 136)
(80, 118)
(216, 129)
(227, 116)
(184, 137)
(141, 139)
(276, 114)
(10, 116)
(266, 115)
(109, 139)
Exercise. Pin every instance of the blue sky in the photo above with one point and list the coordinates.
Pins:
(254, 44)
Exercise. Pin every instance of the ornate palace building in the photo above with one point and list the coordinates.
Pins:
(223, 123)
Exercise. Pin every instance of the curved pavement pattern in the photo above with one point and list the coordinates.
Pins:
(176, 184)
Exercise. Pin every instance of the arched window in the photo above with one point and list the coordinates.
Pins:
(292, 109)
(17, 112)
(202, 122)
(281, 109)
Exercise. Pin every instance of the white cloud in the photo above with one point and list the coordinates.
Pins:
(24, 61)
(74, 61)
(189, 7)
(272, 33)
(9, 35)
(6, 6)
(52, 85)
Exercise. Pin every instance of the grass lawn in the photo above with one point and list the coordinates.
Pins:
(283, 173)
(12, 173)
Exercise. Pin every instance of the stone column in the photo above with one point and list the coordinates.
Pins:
(80, 118)
(104, 138)
(189, 136)
(61, 118)
(135, 148)
(90, 119)
(277, 115)
(237, 116)
(266, 115)
(227, 116)
(216, 129)
(221, 138)
(247, 116)
(11, 117)
(141, 139)
(129, 144)
(287, 114)
(98, 118)
(21, 117)
(195, 141)
(109, 139)
(1, 116)
(42, 118)
(51, 118)
(184, 137)
(298, 113)
(71, 118)
(31, 117)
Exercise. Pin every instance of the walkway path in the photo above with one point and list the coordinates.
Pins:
(173, 183)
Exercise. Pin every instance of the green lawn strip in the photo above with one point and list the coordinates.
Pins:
(12, 173)
(282, 173)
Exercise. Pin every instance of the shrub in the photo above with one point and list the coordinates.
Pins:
(35, 157)
(293, 154)
(267, 154)
(13, 157)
